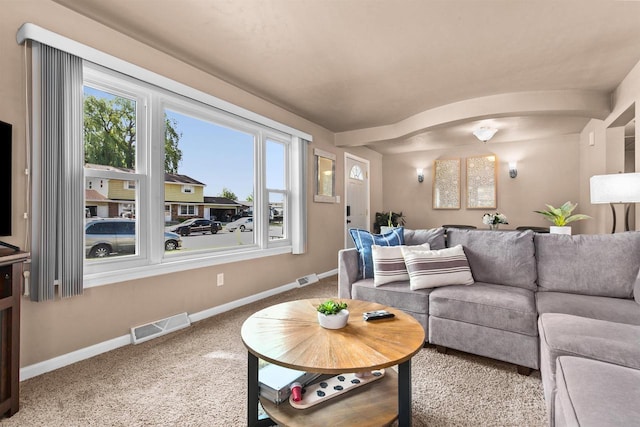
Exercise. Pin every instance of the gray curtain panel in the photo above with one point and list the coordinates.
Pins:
(58, 177)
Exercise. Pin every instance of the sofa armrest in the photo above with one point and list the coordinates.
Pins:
(636, 288)
(347, 271)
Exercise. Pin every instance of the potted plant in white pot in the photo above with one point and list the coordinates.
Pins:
(384, 221)
(561, 216)
(333, 315)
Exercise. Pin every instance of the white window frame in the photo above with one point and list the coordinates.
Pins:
(130, 185)
(125, 87)
(188, 189)
(150, 248)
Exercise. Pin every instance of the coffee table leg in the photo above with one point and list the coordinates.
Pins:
(253, 393)
(404, 394)
(252, 390)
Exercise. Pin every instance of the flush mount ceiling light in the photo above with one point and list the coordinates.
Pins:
(484, 133)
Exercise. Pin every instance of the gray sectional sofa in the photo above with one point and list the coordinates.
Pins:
(539, 301)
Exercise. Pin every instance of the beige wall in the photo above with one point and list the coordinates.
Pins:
(547, 173)
(55, 328)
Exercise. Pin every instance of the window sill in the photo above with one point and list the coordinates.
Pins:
(175, 265)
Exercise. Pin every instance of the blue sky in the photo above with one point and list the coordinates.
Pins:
(216, 156)
(219, 157)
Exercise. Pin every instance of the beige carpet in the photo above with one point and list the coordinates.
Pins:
(197, 377)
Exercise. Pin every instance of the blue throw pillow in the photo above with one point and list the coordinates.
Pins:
(363, 241)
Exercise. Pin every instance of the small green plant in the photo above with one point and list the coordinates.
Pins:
(562, 216)
(331, 307)
(388, 219)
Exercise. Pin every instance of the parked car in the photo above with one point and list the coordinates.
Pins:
(104, 237)
(196, 225)
(242, 214)
(243, 224)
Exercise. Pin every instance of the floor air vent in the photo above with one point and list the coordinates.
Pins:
(158, 328)
(307, 280)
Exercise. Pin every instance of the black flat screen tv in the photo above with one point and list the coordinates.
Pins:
(5, 179)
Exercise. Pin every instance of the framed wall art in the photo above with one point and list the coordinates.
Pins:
(325, 168)
(446, 184)
(482, 182)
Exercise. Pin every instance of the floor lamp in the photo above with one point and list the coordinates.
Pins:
(615, 188)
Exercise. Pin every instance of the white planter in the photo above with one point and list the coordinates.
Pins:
(385, 229)
(560, 230)
(334, 321)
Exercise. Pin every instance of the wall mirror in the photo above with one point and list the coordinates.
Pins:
(446, 184)
(481, 182)
(325, 167)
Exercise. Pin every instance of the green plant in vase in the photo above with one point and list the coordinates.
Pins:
(387, 219)
(331, 307)
(561, 216)
(333, 315)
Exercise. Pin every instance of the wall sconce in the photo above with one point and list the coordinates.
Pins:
(513, 169)
(420, 172)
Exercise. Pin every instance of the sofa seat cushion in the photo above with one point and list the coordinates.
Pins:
(396, 294)
(500, 257)
(602, 308)
(564, 334)
(595, 264)
(495, 306)
(593, 393)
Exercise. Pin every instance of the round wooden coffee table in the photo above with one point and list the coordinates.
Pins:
(289, 335)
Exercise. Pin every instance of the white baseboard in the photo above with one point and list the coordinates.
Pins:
(73, 357)
(112, 344)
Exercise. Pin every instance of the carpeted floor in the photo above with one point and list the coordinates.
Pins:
(197, 377)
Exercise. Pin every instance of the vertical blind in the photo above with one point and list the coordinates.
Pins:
(58, 179)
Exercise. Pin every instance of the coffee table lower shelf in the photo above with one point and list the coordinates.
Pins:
(374, 404)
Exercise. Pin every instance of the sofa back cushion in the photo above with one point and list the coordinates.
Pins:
(589, 264)
(433, 236)
(498, 257)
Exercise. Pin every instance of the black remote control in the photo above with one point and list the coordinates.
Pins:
(377, 315)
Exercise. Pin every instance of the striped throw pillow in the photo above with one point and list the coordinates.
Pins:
(388, 264)
(430, 269)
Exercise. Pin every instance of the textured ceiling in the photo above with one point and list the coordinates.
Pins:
(356, 64)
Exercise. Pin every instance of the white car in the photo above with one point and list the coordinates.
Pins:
(245, 223)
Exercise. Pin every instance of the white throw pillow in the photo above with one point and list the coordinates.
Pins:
(388, 264)
(430, 269)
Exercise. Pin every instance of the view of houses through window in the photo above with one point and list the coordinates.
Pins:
(210, 175)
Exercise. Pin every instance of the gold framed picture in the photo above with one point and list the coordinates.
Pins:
(325, 168)
(482, 182)
(446, 184)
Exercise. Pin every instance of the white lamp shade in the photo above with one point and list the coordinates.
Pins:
(615, 188)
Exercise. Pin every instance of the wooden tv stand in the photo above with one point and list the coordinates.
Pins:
(11, 280)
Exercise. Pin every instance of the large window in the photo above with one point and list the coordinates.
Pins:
(155, 157)
(163, 161)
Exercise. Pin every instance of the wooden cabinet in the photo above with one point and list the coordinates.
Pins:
(11, 280)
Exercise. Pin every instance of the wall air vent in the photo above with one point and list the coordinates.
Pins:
(158, 328)
(307, 280)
